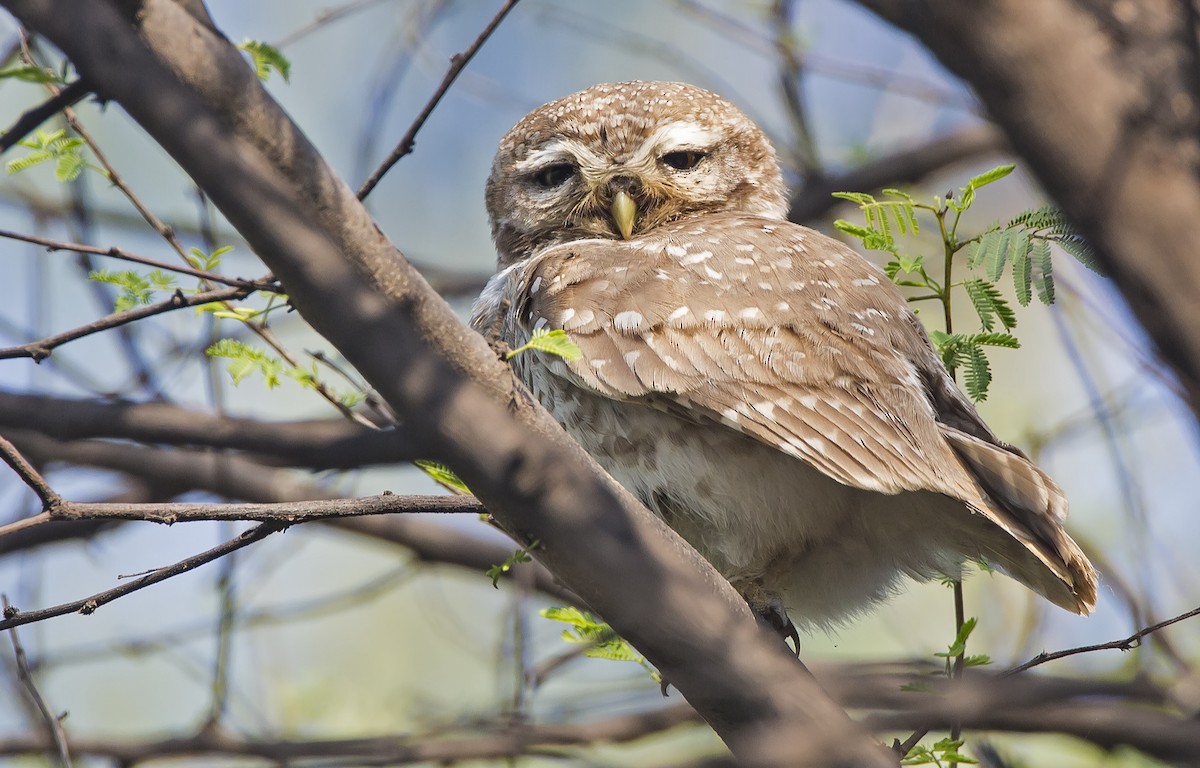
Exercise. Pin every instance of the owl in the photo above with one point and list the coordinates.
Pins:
(760, 386)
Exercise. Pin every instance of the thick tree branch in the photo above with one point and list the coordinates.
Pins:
(351, 285)
(315, 444)
(507, 741)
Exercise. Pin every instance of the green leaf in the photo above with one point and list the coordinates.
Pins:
(989, 304)
(30, 74)
(1082, 250)
(266, 57)
(555, 342)
(245, 360)
(18, 164)
(850, 228)
(996, 255)
(978, 375)
(987, 177)
(1043, 275)
(552, 342)
(910, 264)
(443, 475)
(1022, 268)
(136, 290)
(69, 166)
(959, 645)
(1006, 340)
(606, 644)
(519, 556)
(207, 261)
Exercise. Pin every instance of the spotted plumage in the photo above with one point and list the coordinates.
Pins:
(760, 386)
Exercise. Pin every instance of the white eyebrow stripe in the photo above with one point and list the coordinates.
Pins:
(672, 137)
(558, 151)
(683, 134)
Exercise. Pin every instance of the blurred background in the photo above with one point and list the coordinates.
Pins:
(319, 633)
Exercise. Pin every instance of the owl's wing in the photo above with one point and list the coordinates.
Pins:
(741, 321)
(793, 339)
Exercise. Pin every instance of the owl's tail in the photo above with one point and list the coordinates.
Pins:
(1029, 509)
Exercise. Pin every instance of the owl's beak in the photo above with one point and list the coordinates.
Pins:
(624, 212)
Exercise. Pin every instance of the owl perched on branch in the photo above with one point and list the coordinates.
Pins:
(761, 387)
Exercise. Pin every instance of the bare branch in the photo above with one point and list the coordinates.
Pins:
(39, 350)
(457, 63)
(1123, 644)
(814, 199)
(52, 723)
(262, 284)
(29, 475)
(174, 472)
(88, 605)
(287, 513)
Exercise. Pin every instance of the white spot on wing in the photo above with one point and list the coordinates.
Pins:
(629, 320)
(681, 312)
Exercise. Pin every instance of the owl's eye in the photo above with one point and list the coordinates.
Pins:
(683, 160)
(554, 175)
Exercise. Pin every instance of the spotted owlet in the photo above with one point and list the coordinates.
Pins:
(760, 386)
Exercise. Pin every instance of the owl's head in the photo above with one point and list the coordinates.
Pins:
(619, 159)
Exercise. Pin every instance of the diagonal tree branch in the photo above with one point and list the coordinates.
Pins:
(351, 285)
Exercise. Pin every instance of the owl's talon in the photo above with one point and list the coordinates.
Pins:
(774, 617)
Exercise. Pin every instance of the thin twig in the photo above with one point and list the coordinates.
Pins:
(262, 284)
(165, 231)
(791, 75)
(287, 513)
(323, 18)
(39, 350)
(29, 121)
(457, 63)
(88, 605)
(30, 476)
(1124, 644)
(53, 724)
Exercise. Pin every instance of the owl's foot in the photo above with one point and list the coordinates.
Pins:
(768, 609)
